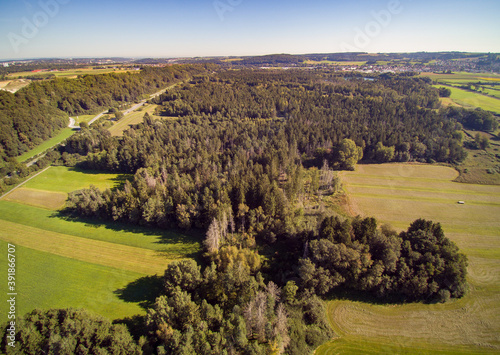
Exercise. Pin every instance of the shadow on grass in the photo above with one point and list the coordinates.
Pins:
(170, 236)
(364, 297)
(118, 181)
(143, 291)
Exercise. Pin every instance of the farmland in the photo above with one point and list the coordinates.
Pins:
(483, 89)
(397, 194)
(65, 262)
(73, 73)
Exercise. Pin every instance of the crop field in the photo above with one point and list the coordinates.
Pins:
(65, 262)
(398, 194)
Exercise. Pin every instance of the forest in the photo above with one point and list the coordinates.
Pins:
(38, 111)
(236, 155)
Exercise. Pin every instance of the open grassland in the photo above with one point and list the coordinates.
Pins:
(58, 138)
(64, 179)
(398, 194)
(45, 280)
(469, 99)
(65, 262)
(133, 118)
(124, 257)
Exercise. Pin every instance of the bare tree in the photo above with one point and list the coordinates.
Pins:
(213, 238)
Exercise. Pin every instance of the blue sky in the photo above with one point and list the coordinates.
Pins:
(173, 28)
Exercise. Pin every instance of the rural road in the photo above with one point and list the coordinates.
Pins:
(24, 182)
(72, 122)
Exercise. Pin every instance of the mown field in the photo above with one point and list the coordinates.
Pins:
(58, 138)
(398, 194)
(62, 262)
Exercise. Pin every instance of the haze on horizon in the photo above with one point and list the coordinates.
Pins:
(154, 28)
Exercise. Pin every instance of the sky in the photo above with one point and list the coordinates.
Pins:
(188, 28)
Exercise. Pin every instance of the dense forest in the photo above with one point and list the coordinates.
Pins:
(36, 112)
(238, 154)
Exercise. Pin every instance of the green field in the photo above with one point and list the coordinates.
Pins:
(63, 262)
(488, 98)
(131, 119)
(61, 136)
(72, 73)
(469, 99)
(45, 280)
(398, 194)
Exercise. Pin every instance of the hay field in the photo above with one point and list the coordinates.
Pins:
(398, 194)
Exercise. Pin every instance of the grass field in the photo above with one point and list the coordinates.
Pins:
(61, 136)
(63, 262)
(398, 194)
(469, 99)
(133, 118)
(45, 280)
(14, 85)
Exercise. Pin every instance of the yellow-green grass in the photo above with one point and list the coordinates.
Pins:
(171, 244)
(472, 99)
(64, 179)
(58, 138)
(462, 77)
(45, 199)
(83, 118)
(398, 194)
(119, 256)
(83, 263)
(45, 280)
(135, 117)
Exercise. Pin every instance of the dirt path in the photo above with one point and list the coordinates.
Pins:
(24, 182)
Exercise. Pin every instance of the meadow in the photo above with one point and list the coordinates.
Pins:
(66, 262)
(133, 118)
(397, 194)
(488, 98)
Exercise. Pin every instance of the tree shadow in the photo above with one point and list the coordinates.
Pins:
(118, 180)
(143, 291)
(164, 236)
(346, 294)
